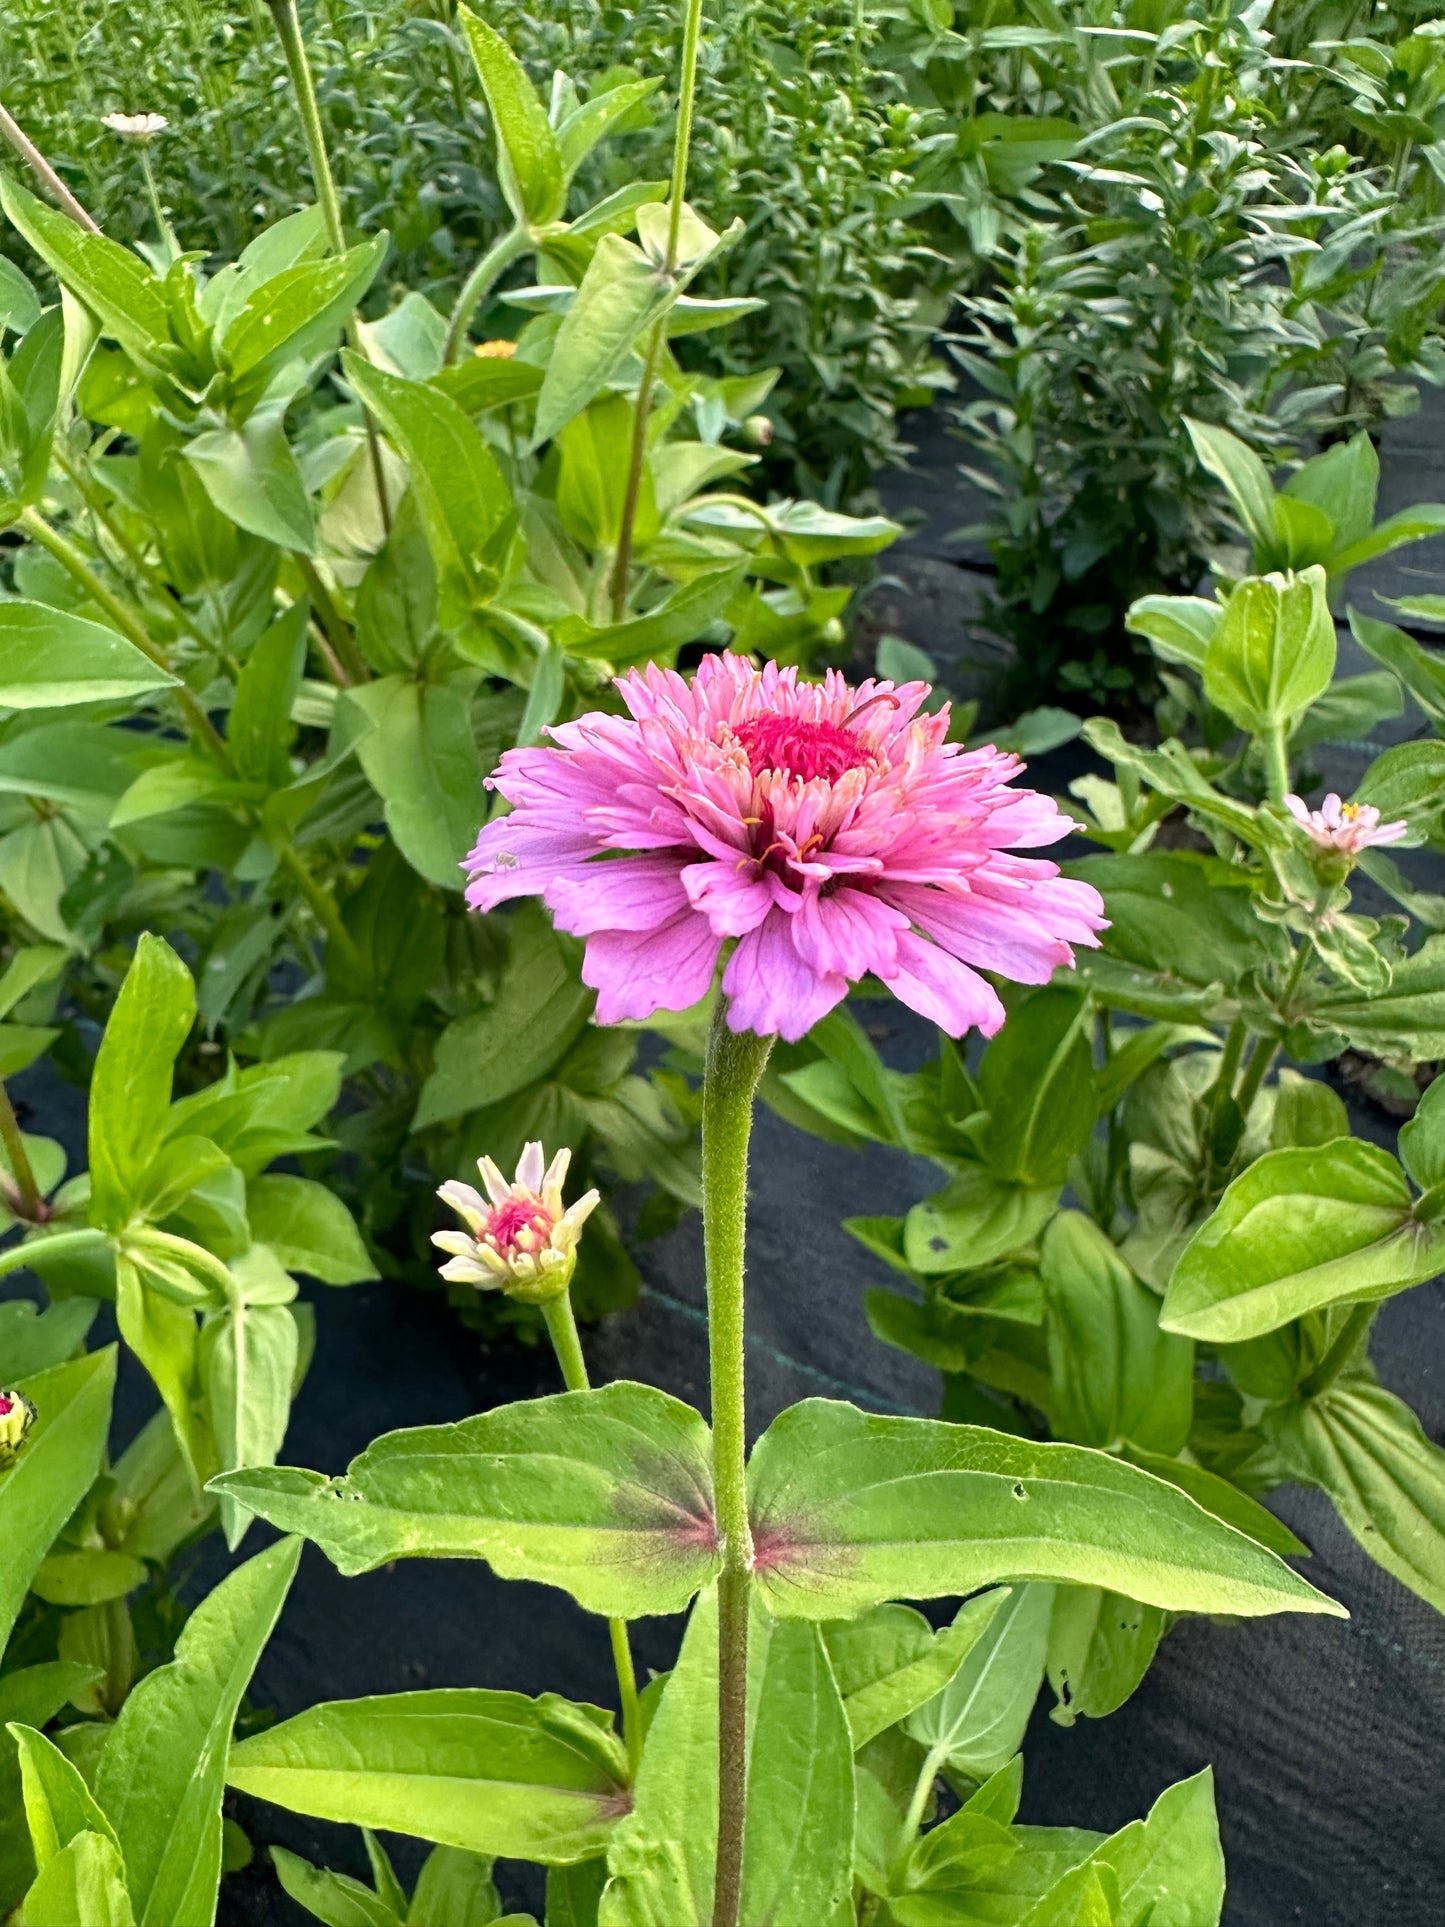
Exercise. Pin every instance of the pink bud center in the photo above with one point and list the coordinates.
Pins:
(7, 1405)
(798, 747)
(521, 1224)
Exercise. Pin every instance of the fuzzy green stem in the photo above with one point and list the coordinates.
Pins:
(56, 1244)
(1340, 1352)
(562, 1330)
(34, 524)
(735, 1061)
(44, 172)
(479, 284)
(27, 1191)
(293, 45)
(1255, 1072)
(682, 142)
(1276, 759)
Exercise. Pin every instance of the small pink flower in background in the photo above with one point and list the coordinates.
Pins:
(525, 1241)
(17, 1415)
(831, 831)
(1347, 827)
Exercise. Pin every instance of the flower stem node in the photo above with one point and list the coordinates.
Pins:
(17, 1415)
(524, 1241)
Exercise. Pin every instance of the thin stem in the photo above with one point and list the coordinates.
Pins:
(337, 629)
(1229, 1057)
(163, 227)
(44, 172)
(1297, 970)
(562, 1330)
(479, 284)
(1276, 758)
(75, 565)
(55, 1243)
(1255, 1072)
(28, 1193)
(682, 141)
(322, 907)
(293, 44)
(1339, 1353)
(735, 1062)
(922, 1787)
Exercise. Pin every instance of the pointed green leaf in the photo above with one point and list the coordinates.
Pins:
(126, 296)
(528, 159)
(889, 1661)
(1246, 480)
(494, 1773)
(976, 1722)
(1274, 650)
(1179, 627)
(249, 1371)
(1300, 1230)
(849, 1509)
(53, 1470)
(309, 1229)
(58, 1803)
(131, 1085)
(622, 294)
(252, 477)
(454, 1889)
(607, 1494)
(49, 658)
(797, 1855)
(333, 1898)
(163, 1771)
(420, 756)
(83, 1886)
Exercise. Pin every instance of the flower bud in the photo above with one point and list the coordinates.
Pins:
(832, 632)
(17, 1415)
(757, 431)
(522, 1242)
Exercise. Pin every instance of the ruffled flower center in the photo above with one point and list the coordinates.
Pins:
(520, 1224)
(798, 747)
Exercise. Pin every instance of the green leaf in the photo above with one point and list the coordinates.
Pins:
(50, 658)
(32, 1340)
(454, 1889)
(1421, 672)
(162, 1334)
(32, 1696)
(333, 1898)
(1408, 777)
(58, 1803)
(251, 475)
(87, 1576)
(131, 1085)
(976, 1723)
(1422, 1139)
(163, 1771)
(493, 1773)
(1405, 1020)
(797, 1854)
(1100, 1646)
(258, 729)
(83, 1886)
(1246, 480)
(849, 1509)
(889, 1661)
(622, 294)
(1037, 1081)
(1296, 1232)
(604, 1493)
(420, 756)
(309, 1229)
(529, 163)
(1395, 532)
(19, 303)
(977, 1219)
(1086, 1896)
(125, 295)
(54, 1469)
(1180, 628)
(1115, 1374)
(1274, 651)
(681, 617)
(538, 1013)
(1364, 1447)
(463, 495)
(1224, 1500)
(248, 1369)
(1342, 483)
(296, 313)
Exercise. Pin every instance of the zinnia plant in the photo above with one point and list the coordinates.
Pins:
(824, 833)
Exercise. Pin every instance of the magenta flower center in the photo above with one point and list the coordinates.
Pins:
(799, 747)
(521, 1224)
(7, 1406)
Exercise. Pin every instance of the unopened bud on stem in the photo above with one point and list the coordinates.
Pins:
(522, 1242)
(17, 1415)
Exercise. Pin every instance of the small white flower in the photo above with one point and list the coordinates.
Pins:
(523, 1242)
(140, 128)
(1346, 827)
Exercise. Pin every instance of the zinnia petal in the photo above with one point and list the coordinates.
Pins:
(636, 972)
(772, 990)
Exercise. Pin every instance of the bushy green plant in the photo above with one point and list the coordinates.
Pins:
(1175, 1249)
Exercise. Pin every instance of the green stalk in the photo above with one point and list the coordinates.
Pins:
(1276, 756)
(735, 1062)
(562, 1330)
(1340, 1352)
(1255, 1072)
(479, 284)
(293, 44)
(163, 227)
(57, 1243)
(27, 1191)
(12, 131)
(917, 1806)
(682, 141)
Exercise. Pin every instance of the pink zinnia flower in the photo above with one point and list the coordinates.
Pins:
(1347, 827)
(831, 831)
